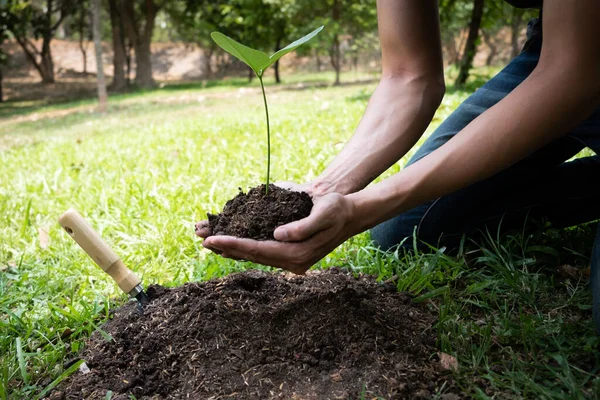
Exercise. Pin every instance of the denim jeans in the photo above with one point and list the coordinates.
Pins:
(544, 185)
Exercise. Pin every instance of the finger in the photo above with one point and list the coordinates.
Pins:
(303, 229)
(202, 229)
(214, 250)
(262, 252)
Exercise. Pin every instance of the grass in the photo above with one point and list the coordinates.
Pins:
(157, 161)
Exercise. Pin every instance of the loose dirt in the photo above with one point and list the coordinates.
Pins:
(256, 335)
(255, 214)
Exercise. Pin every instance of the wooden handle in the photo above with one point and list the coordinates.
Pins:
(87, 238)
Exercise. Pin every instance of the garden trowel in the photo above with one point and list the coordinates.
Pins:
(87, 238)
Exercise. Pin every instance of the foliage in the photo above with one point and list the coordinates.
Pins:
(259, 62)
(37, 19)
(256, 59)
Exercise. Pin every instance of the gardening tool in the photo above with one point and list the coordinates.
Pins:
(87, 238)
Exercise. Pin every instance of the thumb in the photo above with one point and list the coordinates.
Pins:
(300, 230)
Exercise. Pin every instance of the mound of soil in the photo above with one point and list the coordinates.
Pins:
(256, 335)
(255, 215)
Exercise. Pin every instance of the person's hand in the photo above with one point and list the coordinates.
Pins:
(299, 244)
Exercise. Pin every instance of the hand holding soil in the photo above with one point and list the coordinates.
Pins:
(297, 245)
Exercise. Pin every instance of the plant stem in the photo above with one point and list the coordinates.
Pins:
(268, 134)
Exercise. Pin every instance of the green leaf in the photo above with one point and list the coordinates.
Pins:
(292, 46)
(253, 58)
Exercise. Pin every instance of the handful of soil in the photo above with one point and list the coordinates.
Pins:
(254, 335)
(255, 214)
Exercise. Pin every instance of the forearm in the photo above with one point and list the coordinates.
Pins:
(397, 115)
(537, 112)
(411, 88)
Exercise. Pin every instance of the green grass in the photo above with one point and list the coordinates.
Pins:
(144, 172)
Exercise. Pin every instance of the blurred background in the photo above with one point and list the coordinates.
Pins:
(47, 51)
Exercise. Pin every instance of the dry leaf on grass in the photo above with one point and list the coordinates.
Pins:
(43, 237)
(448, 362)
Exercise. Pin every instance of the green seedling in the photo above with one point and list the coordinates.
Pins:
(259, 62)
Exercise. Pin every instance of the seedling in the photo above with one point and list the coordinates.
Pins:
(259, 62)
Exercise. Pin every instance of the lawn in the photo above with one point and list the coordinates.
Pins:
(159, 160)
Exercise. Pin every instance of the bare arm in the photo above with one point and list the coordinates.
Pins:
(559, 94)
(411, 89)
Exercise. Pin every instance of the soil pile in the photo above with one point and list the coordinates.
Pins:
(255, 215)
(263, 336)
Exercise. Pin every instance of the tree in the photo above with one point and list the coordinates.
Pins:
(138, 20)
(102, 96)
(346, 22)
(80, 24)
(118, 41)
(3, 37)
(40, 18)
(247, 21)
(453, 17)
(471, 44)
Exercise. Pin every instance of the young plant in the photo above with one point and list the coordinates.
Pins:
(259, 62)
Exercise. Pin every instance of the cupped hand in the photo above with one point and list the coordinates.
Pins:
(299, 244)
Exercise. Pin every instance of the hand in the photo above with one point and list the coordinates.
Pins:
(299, 244)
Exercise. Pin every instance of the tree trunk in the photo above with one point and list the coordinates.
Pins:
(140, 38)
(83, 54)
(208, 71)
(276, 66)
(335, 51)
(129, 49)
(102, 97)
(250, 74)
(143, 65)
(471, 45)
(46, 63)
(515, 28)
(81, 38)
(118, 41)
(489, 41)
(450, 45)
(30, 51)
(318, 60)
(336, 58)
(1, 91)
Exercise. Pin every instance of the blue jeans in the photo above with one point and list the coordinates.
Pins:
(543, 185)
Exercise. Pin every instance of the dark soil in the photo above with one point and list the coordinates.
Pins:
(256, 215)
(256, 335)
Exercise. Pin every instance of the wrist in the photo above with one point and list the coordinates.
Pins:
(320, 187)
(382, 201)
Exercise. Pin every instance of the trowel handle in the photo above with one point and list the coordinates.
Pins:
(87, 238)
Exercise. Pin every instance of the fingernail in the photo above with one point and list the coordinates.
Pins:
(281, 234)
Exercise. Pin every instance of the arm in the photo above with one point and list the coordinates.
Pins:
(410, 90)
(560, 93)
